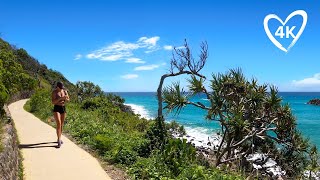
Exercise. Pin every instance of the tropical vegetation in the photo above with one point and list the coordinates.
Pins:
(252, 117)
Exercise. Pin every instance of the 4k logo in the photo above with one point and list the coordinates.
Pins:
(288, 33)
(285, 31)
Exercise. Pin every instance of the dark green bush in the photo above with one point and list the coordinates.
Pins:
(178, 154)
(157, 134)
(175, 128)
(147, 168)
(40, 104)
(197, 172)
(94, 103)
(103, 143)
(3, 98)
(142, 147)
(125, 156)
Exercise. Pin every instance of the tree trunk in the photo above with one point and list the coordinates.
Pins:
(159, 90)
(159, 95)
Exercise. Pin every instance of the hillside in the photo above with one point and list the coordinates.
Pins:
(18, 63)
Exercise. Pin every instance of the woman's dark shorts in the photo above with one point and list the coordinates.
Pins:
(59, 109)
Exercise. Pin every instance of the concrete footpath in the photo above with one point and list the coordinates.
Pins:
(42, 160)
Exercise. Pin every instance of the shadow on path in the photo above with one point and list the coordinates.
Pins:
(38, 145)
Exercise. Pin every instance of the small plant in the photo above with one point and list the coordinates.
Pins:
(157, 134)
(176, 129)
(103, 143)
(178, 154)
(125, 156)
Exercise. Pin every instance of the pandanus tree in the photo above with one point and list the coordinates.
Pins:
(252, 117)
(183, 62)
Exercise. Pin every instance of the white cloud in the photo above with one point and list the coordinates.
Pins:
(149, 42)
(115, 51)
(135, 60)
(130, 76)
(150, 51)
(311, 82)
(147, 67)
(124, 50)
(167, 47)
(180, 47)
(77, 57)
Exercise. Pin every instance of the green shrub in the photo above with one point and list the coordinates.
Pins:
(148, 168)
(203, 173)
(40, 101)
(94, 103)
(175, 128)
(141, 146)
(103, 143)
(125, 156)
(3, 98)
(178, 154)
(157, 134)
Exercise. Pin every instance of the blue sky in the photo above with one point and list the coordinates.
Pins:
(126, 46)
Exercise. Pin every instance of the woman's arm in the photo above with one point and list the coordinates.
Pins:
(67, 96)
(56, 100)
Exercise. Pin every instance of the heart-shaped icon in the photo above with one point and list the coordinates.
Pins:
(295, 39)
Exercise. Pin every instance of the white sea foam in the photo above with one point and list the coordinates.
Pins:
(138, 109)
(204, 138)
(269, 164)
(201, 137)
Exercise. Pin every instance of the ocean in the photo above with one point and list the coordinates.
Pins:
(193, 119)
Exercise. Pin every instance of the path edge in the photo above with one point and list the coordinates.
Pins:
(11, 166)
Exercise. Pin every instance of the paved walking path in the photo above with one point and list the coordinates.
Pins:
(42, 160)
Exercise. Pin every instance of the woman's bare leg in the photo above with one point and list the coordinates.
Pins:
(63, 117)
(57, 117)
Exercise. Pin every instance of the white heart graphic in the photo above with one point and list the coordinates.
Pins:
(274, 40)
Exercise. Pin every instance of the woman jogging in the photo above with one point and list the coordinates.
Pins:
(59, 98)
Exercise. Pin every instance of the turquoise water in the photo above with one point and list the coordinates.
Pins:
(308, 116)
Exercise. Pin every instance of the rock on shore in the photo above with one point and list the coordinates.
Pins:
(314, 102)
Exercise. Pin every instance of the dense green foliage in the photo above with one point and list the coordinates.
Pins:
(87, 90)
(12, 76)
(126, 139)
